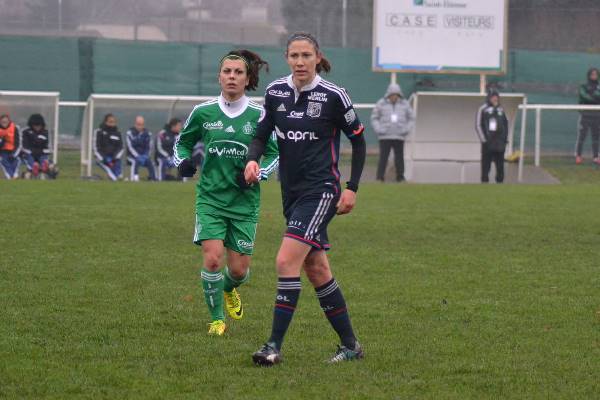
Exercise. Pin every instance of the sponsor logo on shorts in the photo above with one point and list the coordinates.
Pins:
(296, 225)
(209, 126)
(245, 245)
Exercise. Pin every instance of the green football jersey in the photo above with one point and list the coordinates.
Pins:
(226, 129)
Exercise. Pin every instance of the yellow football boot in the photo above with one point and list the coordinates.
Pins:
(217, 328)
(233, 303)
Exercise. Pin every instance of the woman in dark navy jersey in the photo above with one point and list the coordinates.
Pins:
(308, 115)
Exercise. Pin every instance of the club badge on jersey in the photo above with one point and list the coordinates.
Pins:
(314, 109)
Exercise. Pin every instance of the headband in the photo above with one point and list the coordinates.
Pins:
(301, 36)
(235, 57)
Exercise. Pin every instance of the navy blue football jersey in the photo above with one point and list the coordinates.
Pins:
(308, 125)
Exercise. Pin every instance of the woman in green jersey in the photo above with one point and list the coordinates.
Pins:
(226, 207)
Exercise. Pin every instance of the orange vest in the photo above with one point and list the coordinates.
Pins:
(8, 134)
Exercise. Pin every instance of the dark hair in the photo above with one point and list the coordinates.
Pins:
(254, 63)
(172, 122)
(36, 119)
(106, 117)
(492, 92)
(324, 65)
(592, 69)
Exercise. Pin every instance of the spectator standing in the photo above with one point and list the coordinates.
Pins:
(392, 120)
(10, 147)
(138, 149)
(492, 129)
(108, 147)
(589, 121)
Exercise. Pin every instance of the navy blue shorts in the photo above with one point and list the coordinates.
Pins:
(307, 218)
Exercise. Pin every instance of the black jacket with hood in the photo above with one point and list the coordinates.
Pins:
(36, 143)
(108, 142)
(589, 93)
(492, 125)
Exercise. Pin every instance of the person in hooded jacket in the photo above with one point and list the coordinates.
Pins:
(492, 129)
(392, 120)
(108, 147)
(36, 151)
(10, 147)
(589, 121)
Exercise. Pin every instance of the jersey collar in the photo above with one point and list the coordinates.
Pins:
(306, 88)
(233, 109)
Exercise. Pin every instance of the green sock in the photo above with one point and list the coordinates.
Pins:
(231, 283)
(212, 285)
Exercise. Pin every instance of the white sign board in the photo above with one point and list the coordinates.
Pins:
(440, 36)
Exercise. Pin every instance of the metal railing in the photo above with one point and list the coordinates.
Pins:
(538, 108)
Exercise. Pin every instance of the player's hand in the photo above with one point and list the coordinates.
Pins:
(186, 168)
(346, 203)
(241, 181)
(252, 172)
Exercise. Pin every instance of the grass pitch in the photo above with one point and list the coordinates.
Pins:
(456, 292)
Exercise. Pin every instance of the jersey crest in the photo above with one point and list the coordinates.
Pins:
(247, 128)
(314, 109)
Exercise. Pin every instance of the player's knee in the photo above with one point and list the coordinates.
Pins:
(285, 263)
(239, 270)
(211, 262)
(315, 270)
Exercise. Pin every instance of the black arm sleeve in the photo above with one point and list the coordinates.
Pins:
(264, 129)
(359, 154)
(257, 148)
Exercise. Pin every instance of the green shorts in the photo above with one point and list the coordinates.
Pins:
(236, 235)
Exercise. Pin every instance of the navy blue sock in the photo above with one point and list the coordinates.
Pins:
(334, 306)
(288, 291)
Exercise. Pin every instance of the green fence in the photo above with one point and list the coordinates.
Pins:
(77, 67)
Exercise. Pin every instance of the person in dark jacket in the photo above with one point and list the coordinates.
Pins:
(589, 121)
(108, 147)
(165, 150)
(10, 147)
(36, 151)
(492, 129)
(138, 149)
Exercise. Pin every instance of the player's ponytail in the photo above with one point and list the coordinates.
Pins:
(324, 65)
(254, 63)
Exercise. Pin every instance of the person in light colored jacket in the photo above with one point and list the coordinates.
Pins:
(392, 120)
